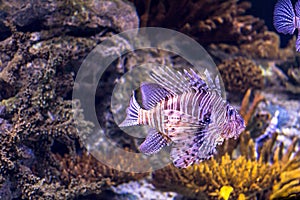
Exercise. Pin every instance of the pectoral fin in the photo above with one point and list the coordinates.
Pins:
(181, 127)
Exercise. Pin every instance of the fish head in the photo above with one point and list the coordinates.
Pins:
(234, 123)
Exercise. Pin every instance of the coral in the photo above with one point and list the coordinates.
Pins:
(70, 16)
(289, 185)
(264, 45)
(39, 57)
(240, 74)
(206, 21)
(229, 178)
(209, 179)
(79, 175)
(247, 109)
(220, 25)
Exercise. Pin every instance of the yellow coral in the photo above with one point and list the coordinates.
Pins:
(289, 185)
(241, 178)
(242, 197)
(225, 192)
(242, 175)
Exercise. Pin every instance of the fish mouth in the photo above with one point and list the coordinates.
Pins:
(233, 129)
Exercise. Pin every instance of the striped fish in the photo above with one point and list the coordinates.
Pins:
(287, 19)
(186, 111)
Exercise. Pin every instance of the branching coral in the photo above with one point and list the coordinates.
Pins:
(248, 108)
(85, 168)
(245, 177)
(288, 185)
(209, 179)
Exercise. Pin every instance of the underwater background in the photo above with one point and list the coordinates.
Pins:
(42, 46)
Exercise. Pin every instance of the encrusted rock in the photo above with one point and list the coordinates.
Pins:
(240, 73)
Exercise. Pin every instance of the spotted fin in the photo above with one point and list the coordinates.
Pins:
(154, 142)
(199, 83)
(132, 113)
(176, 83)
(173, 81)
(213, 84)
(185, 154)
(195, 80)
(152, 93)
(193, 142)
(200, 147)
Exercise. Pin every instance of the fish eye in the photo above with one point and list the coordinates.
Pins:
(259, 124)
(230, 112)
(207, 120)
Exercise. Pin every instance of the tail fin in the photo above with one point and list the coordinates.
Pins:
(132, 113)
(284, 17)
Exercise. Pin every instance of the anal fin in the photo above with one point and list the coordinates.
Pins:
(154, 142)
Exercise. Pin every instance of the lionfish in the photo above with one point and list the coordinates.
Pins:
(184, 111)
(285, 20)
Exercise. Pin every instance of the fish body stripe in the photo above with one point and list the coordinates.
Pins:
(196, 98)
(158, 116)
(153, 117)
(203, 104)
(176, 102)
(145, 117)
(188, 102)
(170, 104)
(196, 104)
(173, 103)
(219, 107)
(143, 121)
(184, 102)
